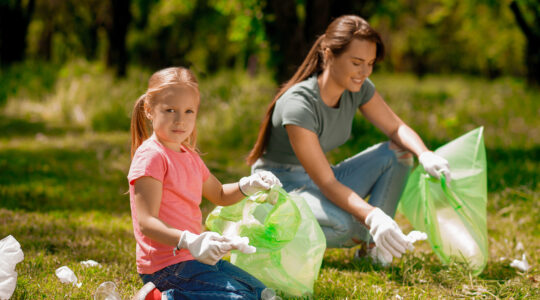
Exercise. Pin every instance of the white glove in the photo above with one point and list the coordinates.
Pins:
(207, 247)
(388, 238)
(259, 181)
(435, 165)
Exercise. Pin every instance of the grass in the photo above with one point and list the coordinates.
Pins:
(62, 184)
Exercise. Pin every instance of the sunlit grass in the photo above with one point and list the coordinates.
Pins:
(63, 182)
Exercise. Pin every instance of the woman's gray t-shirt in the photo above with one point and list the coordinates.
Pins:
(302, 105)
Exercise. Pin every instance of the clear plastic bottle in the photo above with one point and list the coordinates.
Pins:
(107, 291)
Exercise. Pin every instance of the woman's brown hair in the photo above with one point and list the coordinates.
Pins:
(337, 38)
(159, 81)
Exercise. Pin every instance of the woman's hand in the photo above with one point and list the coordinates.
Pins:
(435, 165)
(260, 181)
(389, 239)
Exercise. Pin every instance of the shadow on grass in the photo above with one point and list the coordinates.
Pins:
(19, 127)
(80, 179)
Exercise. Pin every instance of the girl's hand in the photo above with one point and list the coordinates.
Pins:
(207, 247)
(259, 181)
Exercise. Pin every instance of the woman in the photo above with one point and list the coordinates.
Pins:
(313, 114)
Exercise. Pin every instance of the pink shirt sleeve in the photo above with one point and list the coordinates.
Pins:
(147, 163)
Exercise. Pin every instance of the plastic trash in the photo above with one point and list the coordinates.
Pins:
(290, 243)
(522, 265)
(453, 216)
(90, 263)
(269, 294)
(10, 255)
(107, 291)
(415, 236)
(66, 275)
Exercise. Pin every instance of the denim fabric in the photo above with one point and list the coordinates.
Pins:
(378, 172)
(195, 280)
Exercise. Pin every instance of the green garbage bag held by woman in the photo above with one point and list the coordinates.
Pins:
(453, 215)
(290, 243)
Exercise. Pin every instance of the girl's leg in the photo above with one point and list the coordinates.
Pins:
(195, 280)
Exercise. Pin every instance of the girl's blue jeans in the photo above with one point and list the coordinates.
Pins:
(194, 280)
(378, 172)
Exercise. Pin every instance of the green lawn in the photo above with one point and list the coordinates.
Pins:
(62, 184)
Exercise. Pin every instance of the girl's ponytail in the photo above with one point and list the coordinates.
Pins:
(139, 128)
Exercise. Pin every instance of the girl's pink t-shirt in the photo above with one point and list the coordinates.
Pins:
(182, 175)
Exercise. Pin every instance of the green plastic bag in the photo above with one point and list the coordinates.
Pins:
(454, 217)
(290, 243)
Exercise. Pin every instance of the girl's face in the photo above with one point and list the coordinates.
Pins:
(350, 69)
(174, 115)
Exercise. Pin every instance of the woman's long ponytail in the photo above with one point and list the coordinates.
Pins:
(311, 64)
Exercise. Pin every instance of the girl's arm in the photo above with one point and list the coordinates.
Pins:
(305, 144)
(147, 202)
(221, 194)
(382, 116)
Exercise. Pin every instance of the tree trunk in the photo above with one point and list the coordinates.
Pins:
(116, 34)
(14, 20)
(532, 54)
(285, 34)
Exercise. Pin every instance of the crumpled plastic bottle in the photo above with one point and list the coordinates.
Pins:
(107, 291)
(10, 255)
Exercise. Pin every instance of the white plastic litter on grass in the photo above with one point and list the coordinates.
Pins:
(10, 255)
(90, 263)
(66, 275)
(522, 265)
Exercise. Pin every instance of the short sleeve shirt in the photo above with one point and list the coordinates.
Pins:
(182, 175)
(303, 106)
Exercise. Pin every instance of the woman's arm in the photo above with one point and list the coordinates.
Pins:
(148, 192)
(305, 144)
(381, 115)
(221, 194)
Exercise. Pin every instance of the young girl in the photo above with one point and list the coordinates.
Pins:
(167, 180)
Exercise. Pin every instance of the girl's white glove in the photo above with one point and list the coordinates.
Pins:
(389, 239)
(207, 247)
(259, 181)
(435, 165)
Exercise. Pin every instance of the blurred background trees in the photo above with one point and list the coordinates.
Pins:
(479, 37)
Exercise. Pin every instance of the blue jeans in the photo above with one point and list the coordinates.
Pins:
(378, 172)
(194, 280)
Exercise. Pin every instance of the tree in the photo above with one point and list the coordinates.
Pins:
(117, 28)
(15, 15)
(532, 34)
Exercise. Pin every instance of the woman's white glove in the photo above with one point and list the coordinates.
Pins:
(259, 181)
(435, 165)
(207, 247)
(389, 239)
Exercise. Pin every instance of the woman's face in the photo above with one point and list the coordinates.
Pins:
(350, 69)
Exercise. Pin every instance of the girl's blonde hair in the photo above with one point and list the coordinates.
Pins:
(160, 80)
(337, 37)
